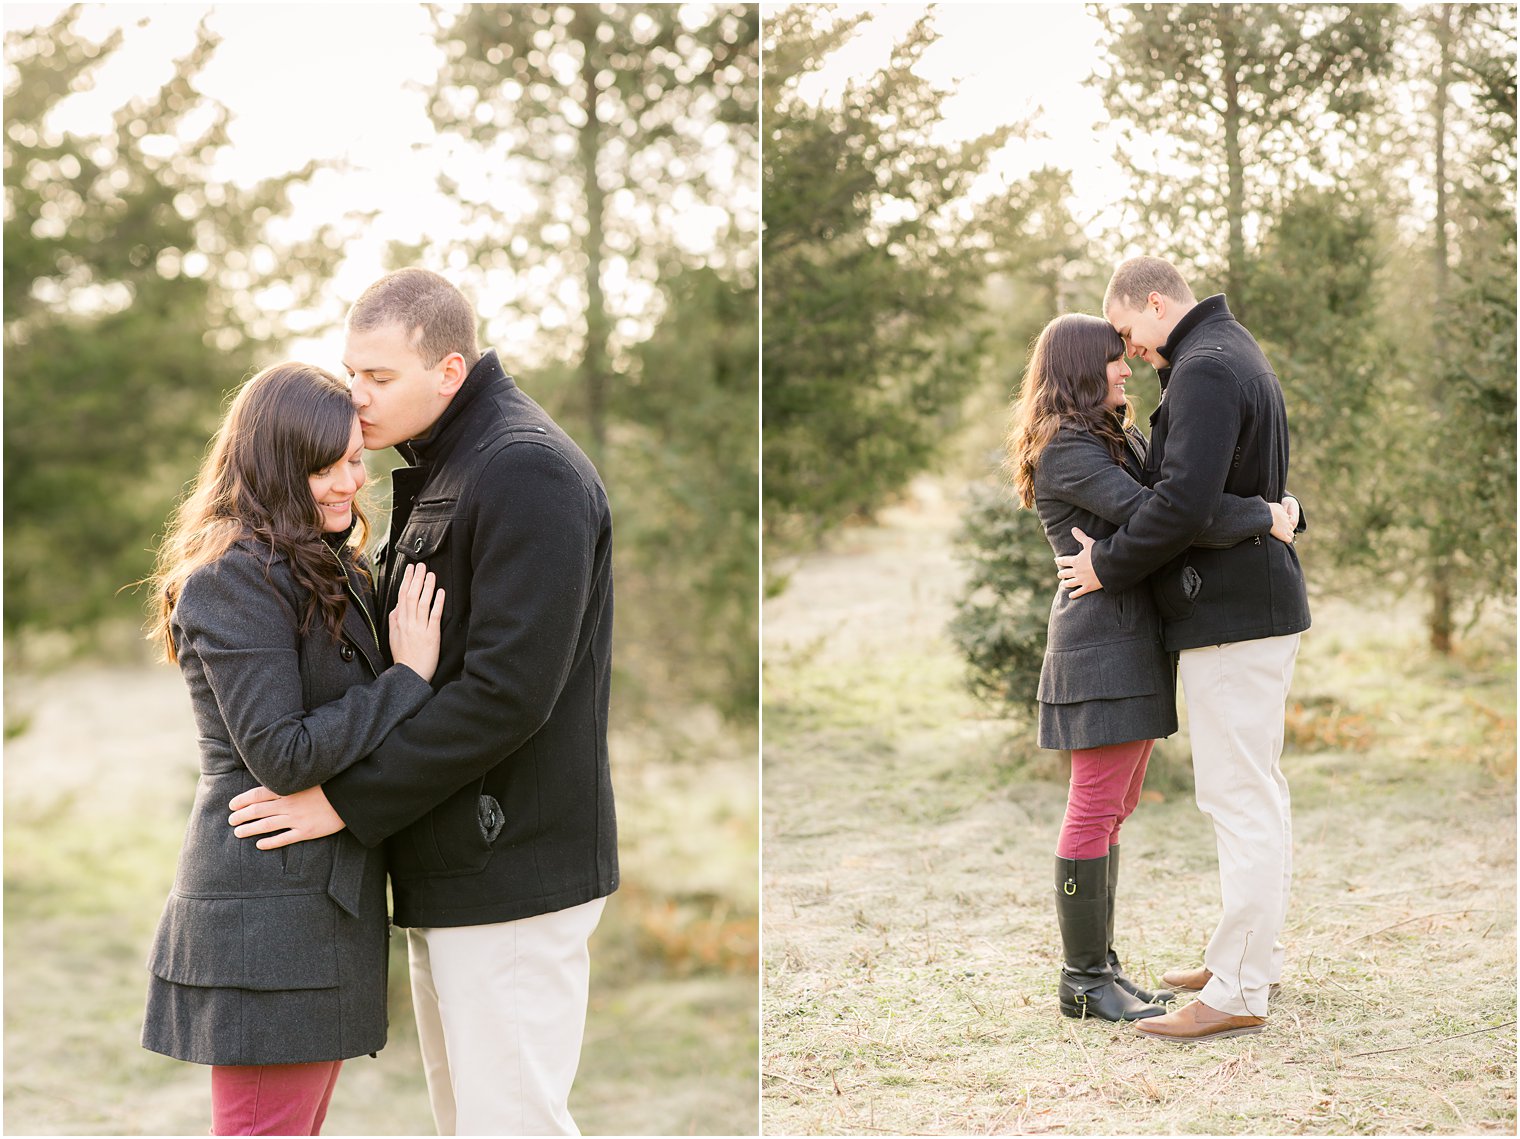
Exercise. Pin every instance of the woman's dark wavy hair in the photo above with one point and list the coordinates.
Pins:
(287, 423)
(1065, 384)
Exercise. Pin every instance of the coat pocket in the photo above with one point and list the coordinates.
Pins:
(275, 943)
(455, 837)
(427, 539)
(1175, 588)
(423, 538)
(1111, 671)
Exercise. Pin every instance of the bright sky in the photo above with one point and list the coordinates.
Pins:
(1005, 62)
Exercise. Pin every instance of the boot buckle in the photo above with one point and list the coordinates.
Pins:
(1070, 887)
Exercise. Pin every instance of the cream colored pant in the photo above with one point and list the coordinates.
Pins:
(501, 1010)
(1236, 694)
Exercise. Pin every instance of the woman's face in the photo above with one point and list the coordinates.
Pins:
(334, 487)
(1118, 372)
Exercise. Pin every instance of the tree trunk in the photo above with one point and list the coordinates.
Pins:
(594, 367)
(1235, 175)
(1440, 557)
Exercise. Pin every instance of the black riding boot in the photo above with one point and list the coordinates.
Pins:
(1088, 986)
(1159, 997)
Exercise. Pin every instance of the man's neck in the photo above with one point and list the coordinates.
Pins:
(1176, 312)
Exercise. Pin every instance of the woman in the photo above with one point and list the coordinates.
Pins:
(270, 965)
(1107, 685)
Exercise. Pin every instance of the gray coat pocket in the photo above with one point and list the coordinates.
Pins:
(1098, 672)
(275, 943)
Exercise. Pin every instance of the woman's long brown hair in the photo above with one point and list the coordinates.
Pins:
(1065, 384)
(284, 425)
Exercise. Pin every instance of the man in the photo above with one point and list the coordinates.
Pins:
(1233, 615)
(494, 801)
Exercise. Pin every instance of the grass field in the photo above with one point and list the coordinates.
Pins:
(910, 952)
(99, 776)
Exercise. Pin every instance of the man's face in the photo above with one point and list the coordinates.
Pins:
(396, 395)
(1143, 329)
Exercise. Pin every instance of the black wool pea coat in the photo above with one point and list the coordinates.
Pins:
(274, 956)
(1221, 427)
(1107, 678)
(495, 802)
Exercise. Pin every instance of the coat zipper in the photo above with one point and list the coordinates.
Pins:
(348, 587)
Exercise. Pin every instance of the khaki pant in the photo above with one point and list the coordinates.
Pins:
(1236, 694)
(501, 1010)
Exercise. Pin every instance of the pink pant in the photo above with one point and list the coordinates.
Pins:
(271, 1099)
(1105, 786)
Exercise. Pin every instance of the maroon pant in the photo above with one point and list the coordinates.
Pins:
(1105, 786)
(271, 1099)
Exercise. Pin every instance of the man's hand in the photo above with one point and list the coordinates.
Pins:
(299, 817)
(1076, 570)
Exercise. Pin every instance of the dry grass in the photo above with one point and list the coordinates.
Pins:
(910, 953)
(97, 788)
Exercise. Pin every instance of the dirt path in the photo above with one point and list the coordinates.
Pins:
(910, 950)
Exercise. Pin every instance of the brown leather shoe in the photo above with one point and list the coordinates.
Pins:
(1196, 1022)
(1193, 980)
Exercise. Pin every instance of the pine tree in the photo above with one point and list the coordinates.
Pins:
(588, 132)
(1226, 108)
(134, 300)
(874, 267)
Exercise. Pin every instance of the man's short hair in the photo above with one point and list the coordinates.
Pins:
(433, 312)
(1139, 277)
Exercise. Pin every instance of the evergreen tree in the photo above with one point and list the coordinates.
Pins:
(1001, 615)
(587, 134)
(1466, 461)
(874, 267)
(136, 295)
(1317, 305)
(1226, 108)
(685, 429)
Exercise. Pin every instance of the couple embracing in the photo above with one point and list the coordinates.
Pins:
(439, 717)
(1176, 558)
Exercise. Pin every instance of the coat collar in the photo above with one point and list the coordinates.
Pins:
(486, 377)
(1205, 310)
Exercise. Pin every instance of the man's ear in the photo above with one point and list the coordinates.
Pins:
(1159, 301)
(454, 373)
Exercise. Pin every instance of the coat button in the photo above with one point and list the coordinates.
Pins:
(346, 652)
(417, 545)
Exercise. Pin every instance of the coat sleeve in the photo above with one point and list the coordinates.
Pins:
(232, 617)
(531, 571)
(1077, 468)
(1203, 425)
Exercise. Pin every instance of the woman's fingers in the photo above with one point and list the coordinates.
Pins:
(415, 596)
(249, 798)
(257, 809)
(403, 592)
(435, 618)
(262, 826)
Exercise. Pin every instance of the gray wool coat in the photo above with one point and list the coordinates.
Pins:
(1106, 678)
(277, 956)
